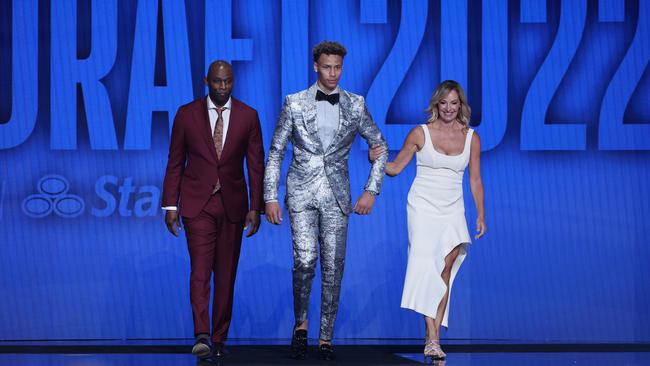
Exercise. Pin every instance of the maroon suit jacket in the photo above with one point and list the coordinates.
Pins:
(193, 167)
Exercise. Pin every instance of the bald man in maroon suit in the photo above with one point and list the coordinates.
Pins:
(205, 185)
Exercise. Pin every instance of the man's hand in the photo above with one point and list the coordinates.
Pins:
(273, 213)
(364, 203)
(252, 222)
(375, 152)
(171, 219)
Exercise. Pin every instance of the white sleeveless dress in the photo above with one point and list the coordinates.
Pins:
(436, 225)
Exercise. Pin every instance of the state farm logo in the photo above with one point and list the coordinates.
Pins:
(113, 197)
(53, 196)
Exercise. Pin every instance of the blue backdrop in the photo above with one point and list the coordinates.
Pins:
(561, 97)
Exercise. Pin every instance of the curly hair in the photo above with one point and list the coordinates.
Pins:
(328, 48)
(464, 113)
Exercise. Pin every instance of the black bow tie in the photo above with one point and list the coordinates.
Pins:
(332, 98)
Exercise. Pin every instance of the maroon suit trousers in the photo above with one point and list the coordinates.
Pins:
(214, 244)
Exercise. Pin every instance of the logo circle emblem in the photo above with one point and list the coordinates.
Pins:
(53, 185)
(68, 205)
(53, 196)
(37, 205)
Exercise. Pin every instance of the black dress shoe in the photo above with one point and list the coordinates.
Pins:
(219, 350)
(299, 344)
(326, 352)
(201, 348)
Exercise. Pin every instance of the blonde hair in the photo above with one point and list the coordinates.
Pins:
(464, 113)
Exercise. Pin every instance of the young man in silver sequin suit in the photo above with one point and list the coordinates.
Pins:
(321, 122)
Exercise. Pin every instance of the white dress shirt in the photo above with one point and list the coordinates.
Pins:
(213, 115)
(327, 118)
(225, 114)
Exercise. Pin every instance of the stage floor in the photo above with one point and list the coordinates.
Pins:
(175, 353)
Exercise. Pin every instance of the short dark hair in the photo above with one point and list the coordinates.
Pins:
(328, 48)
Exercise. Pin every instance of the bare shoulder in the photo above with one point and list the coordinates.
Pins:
(475, 146)
(476, 139)
(416, 131)
(416, 137)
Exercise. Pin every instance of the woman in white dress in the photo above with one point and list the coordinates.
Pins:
(437, 228)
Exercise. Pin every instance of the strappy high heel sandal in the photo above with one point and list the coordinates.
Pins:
(432, 349)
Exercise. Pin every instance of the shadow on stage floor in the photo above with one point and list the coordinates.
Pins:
(348, 352)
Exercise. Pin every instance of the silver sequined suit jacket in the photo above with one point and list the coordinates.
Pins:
(297, 123)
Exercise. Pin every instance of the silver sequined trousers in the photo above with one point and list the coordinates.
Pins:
(321, 221)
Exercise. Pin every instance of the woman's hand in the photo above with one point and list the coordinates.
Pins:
(375, 151)
(480, 227)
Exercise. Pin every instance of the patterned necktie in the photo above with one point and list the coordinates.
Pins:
(217, 138)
